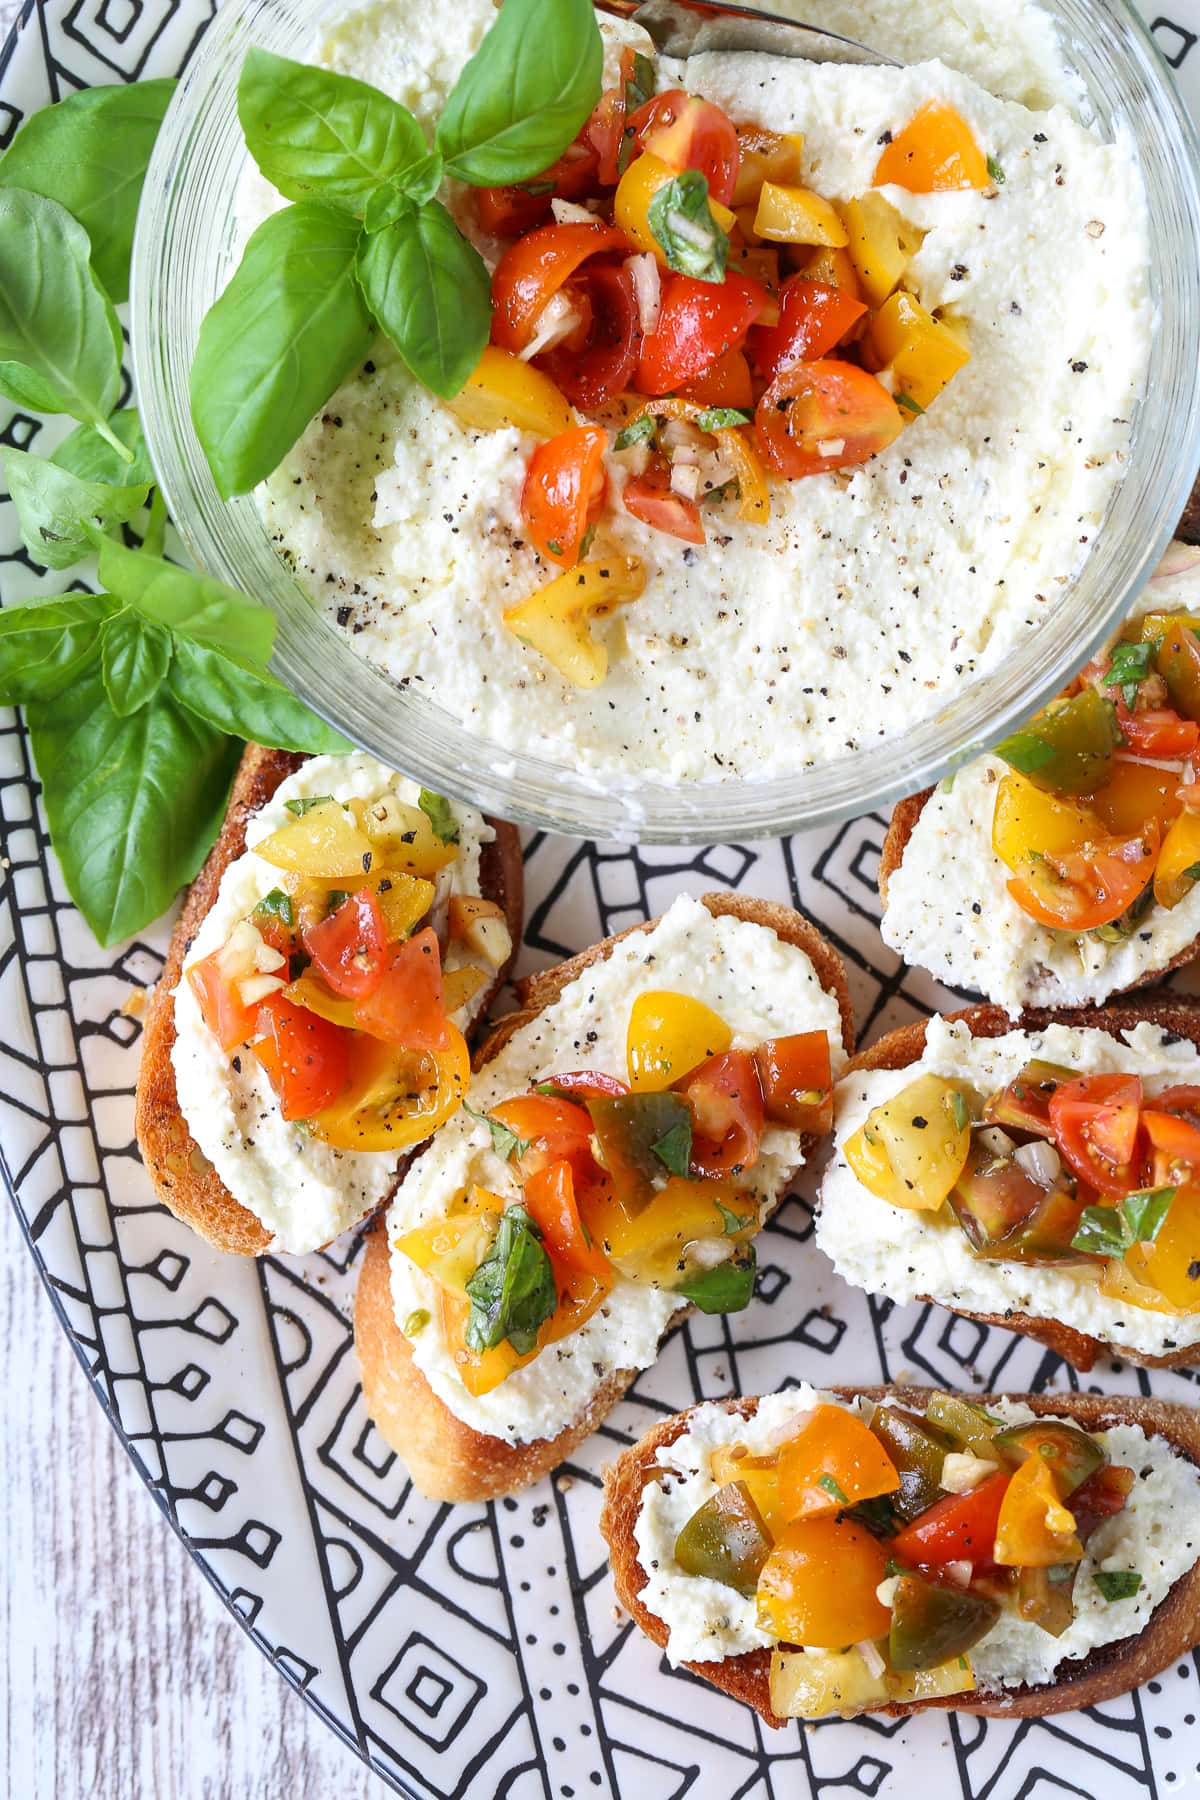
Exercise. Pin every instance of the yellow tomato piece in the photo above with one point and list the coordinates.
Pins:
(402, 837)
(754, 504)
(309, 991)
(1027, 820)
(403, 900)
(325, 841)
(652, 1246)
(1035, 1530)
(1170, 1263)
(668, 1035)
(881, 243)
(935, 153)
(818, 1585)
(819, 1684)
(834, 1460)
(555, 620)
(953, 1677)
(1135, 793)
(504, 391)
(637, 188)
(460, 986)
(834, 267)
(911, 1149)
(1125, 1280)
(795, 215)
(911, 345)
(765, 156)
(451, 1249)
(733, 1462)
(479, 1371)
(396, 1097)
(1178, 865)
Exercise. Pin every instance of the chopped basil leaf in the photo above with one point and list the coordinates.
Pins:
(682, 224)
(512, 1292)
(504, 1141)
(554, 547)
(416, 1322)
(300, 807)
(879, 1517)
(724, 1289)
(727, 490)
(722, 418)
(1026, 752)
(1129, 666)
(641, 83)
(277, 905)
(586, 541)
(334, 898)
(626, 149)
(831, 1486)
(732, 1222)
(1117, 1584)
(641, 430)
(1192, 873)
(995, 172)
(959, 1111)
(674, 1150)
(908, 403)
(438, 812)
(1112, 1230)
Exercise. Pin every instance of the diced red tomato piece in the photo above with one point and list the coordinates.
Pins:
(564, 491)
(532, 270)
(1101, 1496)
(306, 1057)
(510, 211)
(824, 415)
(1174, 1148)
(960, 1528)
(587, 1083)
(814, 317)
(591, 373)
(726, 1103)
(349, 948)
(549, 1199)
(725, 383)
(1076, 890)
(221, 1008)
(689, 133)
(651, 498)
(1183, 1101)
(573, 176)
(604, 131)
(1161, 733)
(698, 321)
(796, 1078)
(1095, 1121)
(554, 1129)
(406, 1008)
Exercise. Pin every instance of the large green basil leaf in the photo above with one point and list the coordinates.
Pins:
(248, 705)
(60, 344)
(431, 293)
(56, 509)
(727, 1287)
(132, 803)
(45, 644)
(512, 1292)
(318, 135)
(86, 454)
(89, 152)
(524, 94)
(134, 657)
(286, 332)
(197, 606)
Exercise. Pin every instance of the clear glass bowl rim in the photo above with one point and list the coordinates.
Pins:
(181, 258)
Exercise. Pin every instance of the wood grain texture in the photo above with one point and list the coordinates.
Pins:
(124, 1678)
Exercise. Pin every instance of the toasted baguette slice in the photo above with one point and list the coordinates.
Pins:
(184, 1179)
(1172, 1012)
(1173, 1628)
(447, 1459)
(903, 823)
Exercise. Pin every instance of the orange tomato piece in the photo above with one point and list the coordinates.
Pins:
(834, 1460)
(549, 1198)
(824, 415)
(553, 1129)
(726, 383)
(796, 1076)
(817, 1587)
(564, 491)
(1133, 793)
(221, 1007)
(935, 153)
(726, 1104)
(406, 1007)
(1076, 890)
(1171, 1263)
(1175, 872)
(1035, 1530)
(532, 271)
(307, 1059)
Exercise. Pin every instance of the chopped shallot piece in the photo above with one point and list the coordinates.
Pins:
(685, 480)
(647, 288)
(567, 212)
(869, 1652)
(556, 321)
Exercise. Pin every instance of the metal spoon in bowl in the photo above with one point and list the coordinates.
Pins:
(684, 28)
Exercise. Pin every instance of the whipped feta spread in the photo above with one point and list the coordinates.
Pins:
(1157, 1533)
(762, 988)
(907, 1255)
(304, 1192)
(949, 910)
(874, 592)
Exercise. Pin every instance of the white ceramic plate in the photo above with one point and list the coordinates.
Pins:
(467, 1651)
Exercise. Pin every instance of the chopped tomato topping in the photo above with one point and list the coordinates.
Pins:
(574, 175)
(549, 1198)
(960, 1528)
(510, 211)
(532, 270)
(307, 1059)
(604, 132)
(591, 372)
(824, 415)
(725, 383)
(935, 153)
(586, 1083)
(1161, 733)
(564, 491)
(689, 133)
(406, 1007)
(349, 947)
(1076, 890)
(221, 1008)
(726, 1104)
(814, 317)
(698, 321)
(553, 1129)
(1175, 1147)
(651, 499)
(796, 1077)
(1095, 1122)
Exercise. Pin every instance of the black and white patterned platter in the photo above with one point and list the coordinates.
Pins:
(468, 1651)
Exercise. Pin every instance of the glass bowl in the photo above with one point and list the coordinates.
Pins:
(185, 250)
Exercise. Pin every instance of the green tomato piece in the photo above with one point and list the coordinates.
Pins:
(726, 1540)
(1004, 1213)
(1068, 748)
(918, 1449)
(1072, 1454)
(1044, 1596)
(931, 1624)
(640, 1140)
(1024, 1105)
(971, 1428)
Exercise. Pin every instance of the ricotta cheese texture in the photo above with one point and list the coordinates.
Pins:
(874, 592)
(762, 988)
(907, 1255)
(304, 1192)
(1157, 1534)
(949, 909)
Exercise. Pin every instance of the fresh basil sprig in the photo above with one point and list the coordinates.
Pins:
(726, 1288)
(367, 245)
(58, 510)
(681, 219)
(512, 1292)
(1112, 1230)
(440, 813)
